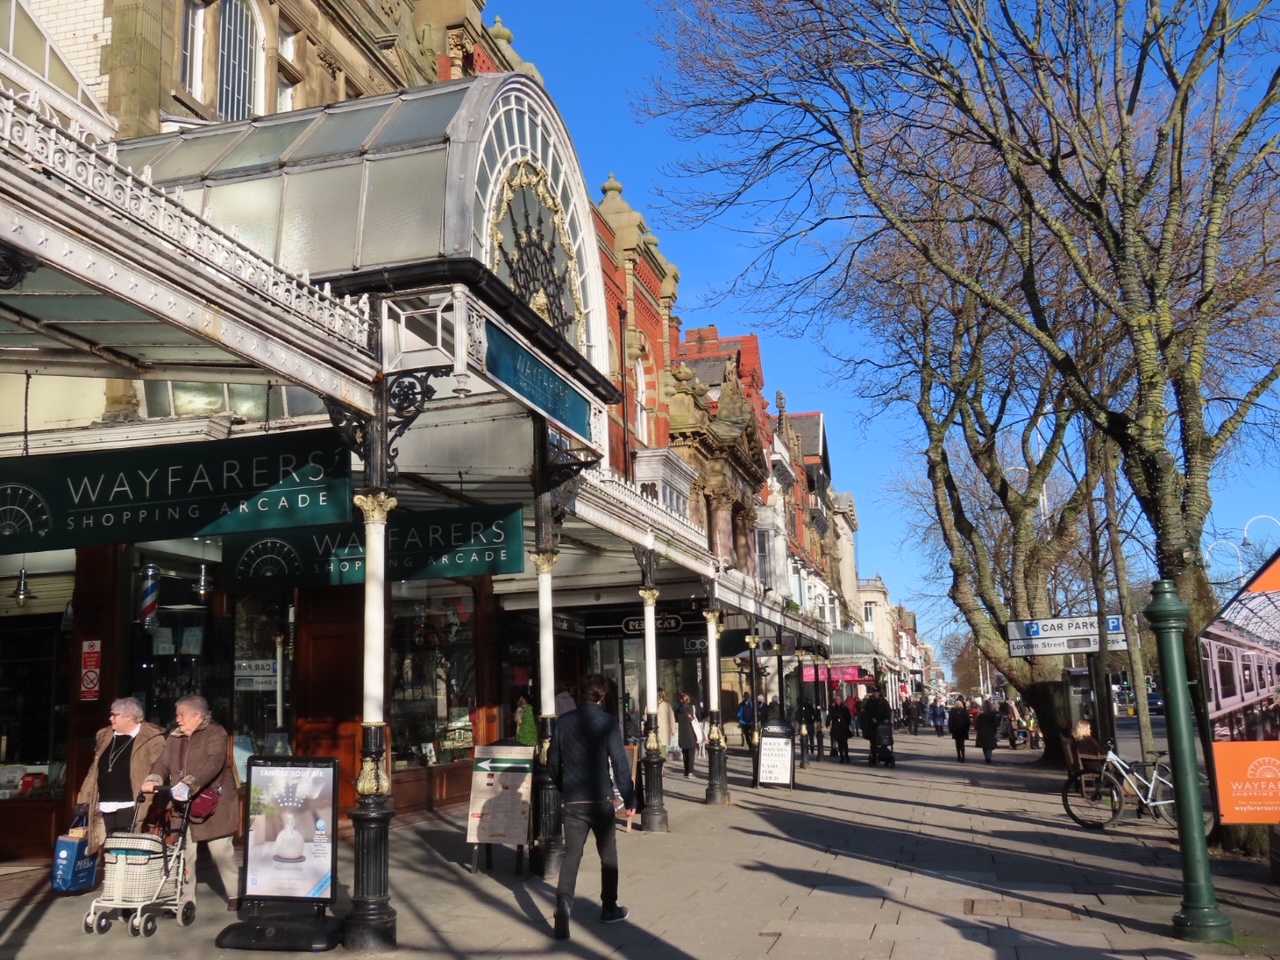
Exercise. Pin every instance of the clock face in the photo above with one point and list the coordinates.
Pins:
(22, 510)
(533, 253)
(268, 559)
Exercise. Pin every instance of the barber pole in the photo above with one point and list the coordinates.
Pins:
(150, 602)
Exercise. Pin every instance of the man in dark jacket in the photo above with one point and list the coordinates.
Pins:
(586, 760)
(875, 711)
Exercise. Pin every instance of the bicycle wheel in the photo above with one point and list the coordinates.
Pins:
(1092, 800)
(1166, 804)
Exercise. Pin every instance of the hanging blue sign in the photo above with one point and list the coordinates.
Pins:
(161, 492)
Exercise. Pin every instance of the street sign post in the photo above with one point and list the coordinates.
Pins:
(1042, 638)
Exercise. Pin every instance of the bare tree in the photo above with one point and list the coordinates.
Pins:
(1116, 160)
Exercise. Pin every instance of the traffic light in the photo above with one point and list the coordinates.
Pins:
(1124, 678)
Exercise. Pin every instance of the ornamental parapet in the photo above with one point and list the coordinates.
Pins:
(89, 172)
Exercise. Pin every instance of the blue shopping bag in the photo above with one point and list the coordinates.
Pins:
(74, 868)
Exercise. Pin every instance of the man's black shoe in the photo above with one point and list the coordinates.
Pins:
(614, 914)
(562, 925)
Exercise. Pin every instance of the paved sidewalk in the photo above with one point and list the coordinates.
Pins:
(930, 860)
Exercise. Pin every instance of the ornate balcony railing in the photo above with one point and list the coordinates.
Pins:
(89, 172)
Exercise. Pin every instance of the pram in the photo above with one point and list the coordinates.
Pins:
(882, 746)
(146, 872)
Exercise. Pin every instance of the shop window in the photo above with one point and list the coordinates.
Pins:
(33, 699)
(433, 676)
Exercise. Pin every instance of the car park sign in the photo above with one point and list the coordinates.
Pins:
(1043, 638)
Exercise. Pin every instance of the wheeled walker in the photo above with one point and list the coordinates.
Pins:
(145, 872)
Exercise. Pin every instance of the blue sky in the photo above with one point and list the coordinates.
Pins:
(596, 60)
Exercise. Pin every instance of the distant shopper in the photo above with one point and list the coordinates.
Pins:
(875, 711)
(911, 711)
(667, 731)
(587, 762)
(958, 726)
(564, 702)
(747, 722)
(1015, 724)
(840, 722)
(938, 715)
(688, 734)
(988, 727)
(123, 753)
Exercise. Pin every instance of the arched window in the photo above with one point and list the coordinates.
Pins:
(642, 403)
(1226, 673)
(224, 39)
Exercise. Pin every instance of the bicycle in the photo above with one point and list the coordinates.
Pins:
(1095, 798)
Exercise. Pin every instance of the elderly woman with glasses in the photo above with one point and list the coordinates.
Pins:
(123, 755)
(195, 758)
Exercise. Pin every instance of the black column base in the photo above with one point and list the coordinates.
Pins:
(818, 740)
(804, 752)
(654, 816)
(717, 764)
(370, 927)
(546, 853)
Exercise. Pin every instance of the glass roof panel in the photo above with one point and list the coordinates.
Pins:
(340, 132)
(194, 155)
(250, 206)
(319, 229)
(28, 42)
(404, 208)
(420, 119)
(263, 145)
(134, 155)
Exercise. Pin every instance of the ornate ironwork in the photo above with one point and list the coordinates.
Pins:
(15, 266)
(408, 394)
(537, 261)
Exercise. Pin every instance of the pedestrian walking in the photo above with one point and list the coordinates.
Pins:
(855, 707)
(587, 762)
(958, 726)
(937, 715)
(687, 733)
(667, 730)
(747, 722)
(1015, 724)
(841, 725)
(912, 711)
(123, 754)
(875, 711)
(988, 726)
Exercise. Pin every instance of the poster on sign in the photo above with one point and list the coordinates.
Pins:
(777, 758)
(1241, 689)
(290, 848)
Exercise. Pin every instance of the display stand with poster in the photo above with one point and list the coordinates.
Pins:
(777, 754)
(501, 786)
(290, 869)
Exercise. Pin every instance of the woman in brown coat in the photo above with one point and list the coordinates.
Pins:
(123, 755)
(195, 758)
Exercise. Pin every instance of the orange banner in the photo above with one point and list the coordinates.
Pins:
(1248, 780)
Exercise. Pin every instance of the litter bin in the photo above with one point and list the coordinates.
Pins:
(777, 756)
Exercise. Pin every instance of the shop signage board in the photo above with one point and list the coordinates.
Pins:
(90, 669)
(291, 829)
(1040, 638)
(272, 481)
(465, 542)
(501, 786)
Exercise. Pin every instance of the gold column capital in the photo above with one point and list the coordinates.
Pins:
(650, 596)
(543, 562)
(375, 505)
(711, 616)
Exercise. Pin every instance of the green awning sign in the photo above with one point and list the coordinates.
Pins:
(167, 491)
(465, 542)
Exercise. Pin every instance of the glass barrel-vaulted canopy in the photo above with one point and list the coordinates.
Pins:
(480, 168)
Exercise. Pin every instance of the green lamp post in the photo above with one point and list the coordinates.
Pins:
(1199, 920)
